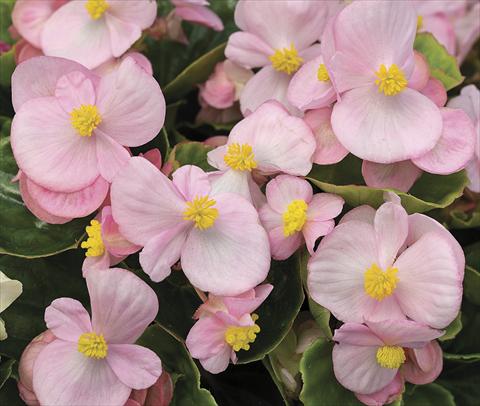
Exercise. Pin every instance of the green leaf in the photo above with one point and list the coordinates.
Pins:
(462, 357)
(43, 281)
(268, 366)
(428, 395)
(190, 153)
(6, 370)
(6, 7)
(320, 387)
(345, 179)
(9, 394)
(443, 66)
(21, 233)
(471, 285)
(321, 316)
(176, 361)
(462, 381)
(461, 220)
(453, 329)
(7, 66)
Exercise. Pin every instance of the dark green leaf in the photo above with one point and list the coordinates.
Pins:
(471, 285)
(6, 370)
(453, 329)
(9, 394)
(7, 66)
(6, 7)
(190, 153)
(428, 395)
(462, 381)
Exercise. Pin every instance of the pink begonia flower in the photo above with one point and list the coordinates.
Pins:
(214, 234)
(386, 395)
(469, 102)
(467, 30)
(105, 245)
(366, 358)
(96, 362)
(277, 36)
(91, 32)
(71, 128)
(378, 117)
(197, 11)
(225, 325)
(160, 394)
(268, 141)
(294, 215)
(387, 264)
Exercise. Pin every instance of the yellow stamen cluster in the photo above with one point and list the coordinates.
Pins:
(96, 8)
(85, 119)
(286, 60)
(94, 244)
(201, 211)
(419, 23)
(390, 81)
(390, 356)
(93, 345)
(240, 157)
(379, 284)
(240, 338)
(294, 217)
(322, 73)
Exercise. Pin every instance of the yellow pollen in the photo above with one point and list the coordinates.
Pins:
(419, 23)
(94, 244)
(390, 356)
(85, 119)
(201, 212)
(286, 60)
(294, 217)
(96, 8)
(379, 284)
(322, 73)
(240, 338)
(240, 157)
(390, 81)
(93, 345)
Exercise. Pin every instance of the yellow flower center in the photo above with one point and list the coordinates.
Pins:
(390, 81)
(92, 345)
(240, 338)
(322, 73)
(390, 356)
(96, 8)
(379, 284)
(286, 60)
(85, 119)
(201, 212)
(94, 244)
(294, 217)
(240, 157)
(419, 23)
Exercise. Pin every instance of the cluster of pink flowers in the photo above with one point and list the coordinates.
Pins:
(326, 87)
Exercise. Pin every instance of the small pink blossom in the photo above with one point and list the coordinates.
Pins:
(197, 11)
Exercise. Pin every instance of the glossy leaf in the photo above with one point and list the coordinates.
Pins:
(471, 285)
(428, 395)
(190, 153)
(6, 367)
(462, 381)
(453, 329)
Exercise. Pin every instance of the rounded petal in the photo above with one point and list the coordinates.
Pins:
(101, 262)
(435, 91)
(211, 258)
(473, 172)
(420, 74)
(122, 34)
(137, 367)
(324, 206)
(64, 376)
(239, 305)
(218, 362)
(248, 50)
(387, 395)
(455, 147)
(361, 213)
(281, 246)
(358, 335)
(313, 230)
(386, 129)
(207, 337)
(67, 319)
(282, 190)
(329, 150)
(200, 15)
(139, 12)
(112, 156)
(131, 104)
(231, 181)
(74, 89)
(191, 181)
(113, 240)
(424, 364)
(122, 304)
(398, 175)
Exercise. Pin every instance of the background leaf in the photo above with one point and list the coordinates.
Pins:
(428, 395)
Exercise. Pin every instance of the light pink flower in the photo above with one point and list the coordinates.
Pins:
(276, 36)
(96, 362)
(368, 357)
(93, 31)
(71, 128)
(224, 327)
(469, 102)
(294, 215)
(197, 11)
(214, 234)
(268, 141)
(378, 117)
(385, 264)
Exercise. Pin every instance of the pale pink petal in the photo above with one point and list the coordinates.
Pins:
(154, 156)
(442, 29)
(135, 366)
(356, 368)
(313, 230)
(219, 91)
(423, 364)
(398, 175)
(430, 287)
(73, 90)
(191, 181)
(420, 74)
(138, 12)
(218, 362)
(329, 150)
(131, 104)
(112, 156)
(122, 34)
(201, 15)
(357, 334)
(248, 50)
(67, 319)
(238, 305)
(211, 258)
(144, 201)
(455, 147)
(113, 240)
(435, 91)
(82, 40)
(467, 31)
(231, 181)
(473, 172)
(468, 101)
(281, 246)
(282, 190)
(207, 337)
(324, 206)
(162, 252)
(75, 204)
(122, 304)
(391, 229)
(101, 262)
(387, 395)
(64, 376)
(24, 51)
(49, 150)
(386, 129)
(361, 213)
(270, 218)
(215, 157)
